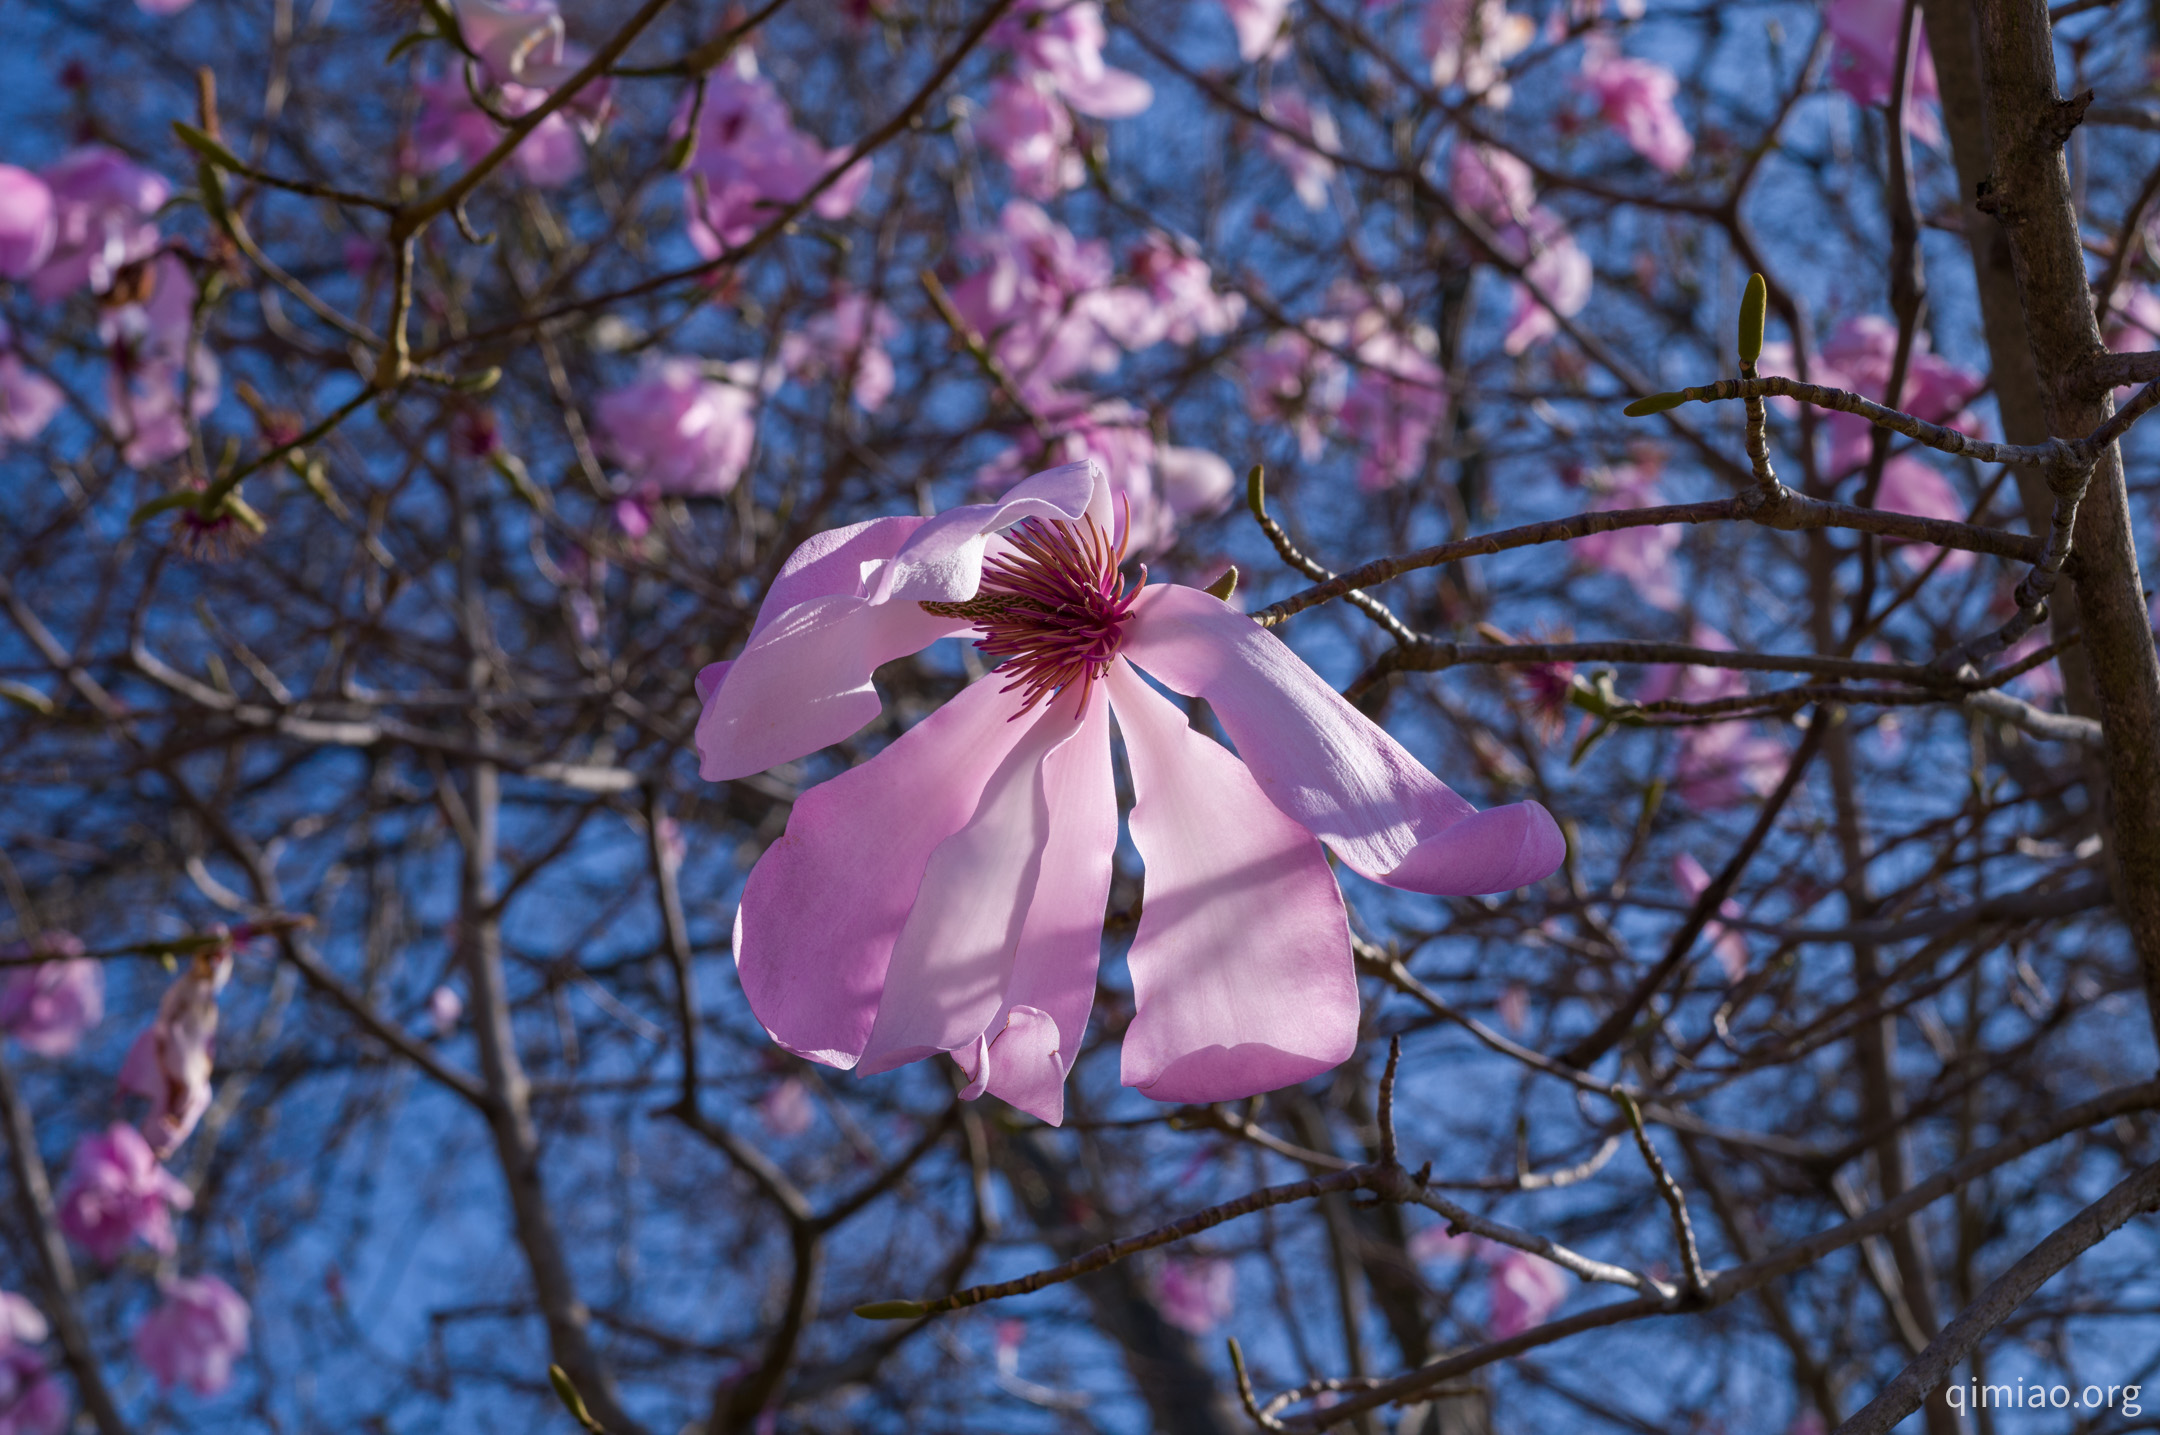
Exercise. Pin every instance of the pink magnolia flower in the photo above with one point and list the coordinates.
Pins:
(1911, 486)
(445, 1008)
(1729, 944)
(1303, 152)
(751, 160)
(849, 337)
(1643, 555)
(104, 219)
(26, 222)
(1636, 99)
(20, 1321)
(1194, 480)
(31, 1401)
(155, 364)
(1863, 60)
(1555, 267)
(195, 1336)
(1524, 1290)
(1008, 1338)
(1398, 399)
(1027, 126)
(1491, 183)
(947, 895)
(1259, 26)
(1184, 305)
(513, 38)
(786, 1109)
(676, 429)
(1197, 1293)
(170, 1062)
(1044, 301)
(1719, 764)
(1292, 380)
(48, 1007)
(1470, 42)
(452, 130)
(116, 1193)
(1062, 40)
(28, 400)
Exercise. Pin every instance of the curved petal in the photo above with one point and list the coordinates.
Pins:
(954, 956)
(826, 902)
(838, 560)
(942, 560)
(1024, 1065)
(1241, 970)
(1327, 765)
(804, 682)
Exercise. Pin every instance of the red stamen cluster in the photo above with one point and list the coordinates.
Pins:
(1054, 607)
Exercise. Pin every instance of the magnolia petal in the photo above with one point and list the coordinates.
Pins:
(1025, 1065)
(1327, 765)
(833, 561)
(804, 682)
(825, 904)
(1053, 972)
(1241, 970)
(954, 957)
(942, 560)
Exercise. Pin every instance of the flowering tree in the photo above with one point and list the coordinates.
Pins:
(1043, 714)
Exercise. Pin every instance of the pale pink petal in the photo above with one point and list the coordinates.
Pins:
(825, 904)
(942, 560)
(1328, 766)
(804, 682)
(26, 222)
(1241, 970)
(954, 957)
(1053, 975)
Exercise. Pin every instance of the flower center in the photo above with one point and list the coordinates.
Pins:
(1053, 608)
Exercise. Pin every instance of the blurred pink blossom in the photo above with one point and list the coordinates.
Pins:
(1911, 486)
(751, 161)
(1636, 99)
(1185, 305)
(1196, 1293)
(170, 1062)
(1524, 1290)
(104, 219)
(1194, 481)
(1259, 26)
(786, 1108)
(1436, 1243)
(31, 1401)
(28, 400)
(1062, 41)
(445, 1007)
(116, 1193)
(1009, 1335)
(848, 336)
(26, 222)
(195, 1336)
(1026, 125)
(1293, 380)
(1043, 300)
(1719, 764)
(1514, 1007)
(20, 1322)
(1491, 183)
(154, 362)
(452, 130)
(1863, 60)
(679, 429)
(1858, 357)
(513, 38)
(1642, 555)
(48, 1007)
(1303, 152)
(1470, 41)
(1729, 944)
(1554, 267)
